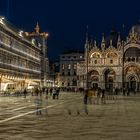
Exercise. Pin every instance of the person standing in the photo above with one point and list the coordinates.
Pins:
(98, 95)
(54, 93)
(38, 102)
(25, 93)
(103, 97)
(57, 93)
(85, 96)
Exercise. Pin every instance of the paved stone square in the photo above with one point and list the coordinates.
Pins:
(66, 119)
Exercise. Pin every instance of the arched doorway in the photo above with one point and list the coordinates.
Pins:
(132, 78)
(93, 77)
(94, 83)
(109, 76)
(132, 83)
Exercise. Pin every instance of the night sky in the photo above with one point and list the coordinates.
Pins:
(66, 20)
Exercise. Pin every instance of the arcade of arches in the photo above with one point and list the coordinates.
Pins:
(109, 79)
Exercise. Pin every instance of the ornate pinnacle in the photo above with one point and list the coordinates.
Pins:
(37, 28)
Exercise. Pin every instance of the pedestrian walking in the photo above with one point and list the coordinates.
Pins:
(54, 93)
(123, 91)
(85, 96)
(46, 90)
(103, 97)
(25, 93)
(98, 95)
(46, 104)
(51, 91)
(57, 93)
(38, 103)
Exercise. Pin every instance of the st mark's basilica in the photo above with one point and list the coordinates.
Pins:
(114, 63)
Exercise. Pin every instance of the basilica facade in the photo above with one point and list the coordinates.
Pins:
(114, 63)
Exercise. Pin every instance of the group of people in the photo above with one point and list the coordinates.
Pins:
(40, 100)
(92, 96)
(54, 92)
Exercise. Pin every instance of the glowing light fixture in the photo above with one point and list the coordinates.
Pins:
(33, 41)
(1, 20)
(46, 35)
(20, 33)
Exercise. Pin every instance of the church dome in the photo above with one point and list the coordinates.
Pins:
(136, 28)
(114, 37)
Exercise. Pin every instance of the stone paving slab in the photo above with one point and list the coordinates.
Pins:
(116, 120)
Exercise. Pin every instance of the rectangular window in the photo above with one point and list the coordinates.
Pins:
(63, 66)
(69, 66)
(75, 66)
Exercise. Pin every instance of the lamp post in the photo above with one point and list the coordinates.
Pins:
(86, 59)
(87, 86)
(123, 85)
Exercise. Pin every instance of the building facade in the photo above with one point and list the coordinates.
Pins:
(68, 68)
(112, 64)
(41, 39)
(20, 58)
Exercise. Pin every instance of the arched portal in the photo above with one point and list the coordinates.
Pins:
(132, 83)
(109, 78)
(132, 54)
(93, 79)
(132, 78)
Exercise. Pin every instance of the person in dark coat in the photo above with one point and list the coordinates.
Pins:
(85, 96)
(25, 93)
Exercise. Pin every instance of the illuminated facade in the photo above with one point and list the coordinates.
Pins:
(41, 40)
(113, 64)
(20, 58)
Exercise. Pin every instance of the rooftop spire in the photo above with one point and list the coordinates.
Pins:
(37, 28)
(133, 31)
(111, 43)
(103, 42)
(87, 36)
(95, 44)
(91, 43)
(119, 37)
(103, 38)
(87, 40)
(119, 41)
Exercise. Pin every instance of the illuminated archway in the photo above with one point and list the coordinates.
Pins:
(132, 77)
(93, 79)
(109, 78)
(111, 55)
(95, 55)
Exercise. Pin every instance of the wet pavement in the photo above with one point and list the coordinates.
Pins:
(67, 119)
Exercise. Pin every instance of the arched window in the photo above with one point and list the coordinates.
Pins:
(75, 66)
(74, 73)
(69, 66)
(111, 55)
(63, 66)
(95, 61)
(68, 73)
(95, 55)
(111, 61)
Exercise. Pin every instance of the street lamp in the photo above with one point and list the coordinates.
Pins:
(1, 20)
(87, 60)
(123, 85)
(21, 33)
